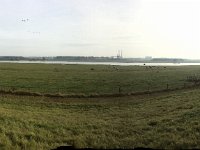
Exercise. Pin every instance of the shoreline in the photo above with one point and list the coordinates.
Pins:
(102, 63)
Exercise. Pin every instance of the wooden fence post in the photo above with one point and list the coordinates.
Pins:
(119, 89)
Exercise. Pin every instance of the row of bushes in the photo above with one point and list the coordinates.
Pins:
(193, 78)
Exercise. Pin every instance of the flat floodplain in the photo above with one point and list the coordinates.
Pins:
(159, 120)
(87, 79)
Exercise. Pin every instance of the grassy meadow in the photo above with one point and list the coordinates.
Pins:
(87, 79)
(169, 120)
(160, 120)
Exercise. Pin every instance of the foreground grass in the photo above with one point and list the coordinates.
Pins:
(169, 120)
(87, 79)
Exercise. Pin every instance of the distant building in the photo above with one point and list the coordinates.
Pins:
(119, 54)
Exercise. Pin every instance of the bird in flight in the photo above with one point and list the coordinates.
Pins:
(25, 20)
(29, 31)
(36, 32)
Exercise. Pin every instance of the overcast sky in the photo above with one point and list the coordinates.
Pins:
(158, 28)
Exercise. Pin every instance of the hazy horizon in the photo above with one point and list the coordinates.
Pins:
(157, 28)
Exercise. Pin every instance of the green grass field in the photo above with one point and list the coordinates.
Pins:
(160, 120)
(87, 79)
(169, 120)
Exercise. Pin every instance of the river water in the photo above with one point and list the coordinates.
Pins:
(103, 63)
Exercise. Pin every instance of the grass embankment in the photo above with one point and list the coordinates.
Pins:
(91, 79)
(169, 120)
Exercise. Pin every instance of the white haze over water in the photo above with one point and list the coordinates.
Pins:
(158, 28)
(103, 63)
